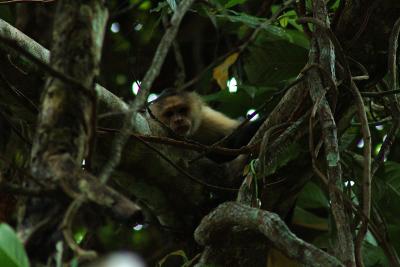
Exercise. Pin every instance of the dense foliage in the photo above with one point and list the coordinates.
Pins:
(241, 56)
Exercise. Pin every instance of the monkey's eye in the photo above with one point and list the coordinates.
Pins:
(168, 114)
(183, 110)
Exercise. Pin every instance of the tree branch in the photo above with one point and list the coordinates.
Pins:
(231, 214)
(321, 53)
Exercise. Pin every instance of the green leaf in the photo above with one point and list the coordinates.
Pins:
(210, 15)
(283, 21)
(349, 137)
(312, 197)
(237, 104)
(233, 105)
(12, 252)
(392, 171)
(256, 91)
(248, 20)
(394, 233)
(233, 3)
(74, 262)
(374, 255)
(291, 152)
(307, 219)
(270, 63)
(387, 189)
(334, 4)
(146, 5)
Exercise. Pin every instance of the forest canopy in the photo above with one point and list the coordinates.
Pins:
(89, 176)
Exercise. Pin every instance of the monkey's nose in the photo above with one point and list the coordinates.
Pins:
(178, 121)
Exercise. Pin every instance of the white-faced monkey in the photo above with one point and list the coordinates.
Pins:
(186, 114)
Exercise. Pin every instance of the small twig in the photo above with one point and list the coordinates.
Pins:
(284, 140)
(366, 184)
(181, 73)
(374, 123)
(301, 12)
(32, 192)
(392, 57)
(10, 59)
(364, 23)
(360, 78)
(67, 230)
(312, 147)
(380, 94)
(188, 145)
(262, 156)
(117, 13)
(338, 14)
(371, 110)
(31, 106)
(360, 66)
(183, 171)
(15, 130)
(25, 173)
(14, 44)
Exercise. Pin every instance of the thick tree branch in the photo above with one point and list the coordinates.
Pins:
(65, 125)
(231, 214)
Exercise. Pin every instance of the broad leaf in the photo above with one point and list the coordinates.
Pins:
(312, 197)
(12, 252)
(248, 20)
(271, 63)
(374, 255)
(289, 153)
(307, 219)
(232, 3)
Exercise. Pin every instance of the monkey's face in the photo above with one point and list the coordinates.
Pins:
(177, 113)
(177, 118)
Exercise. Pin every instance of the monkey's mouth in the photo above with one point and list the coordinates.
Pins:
(182, 130)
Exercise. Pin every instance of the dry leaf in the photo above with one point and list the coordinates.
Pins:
(220, 73)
